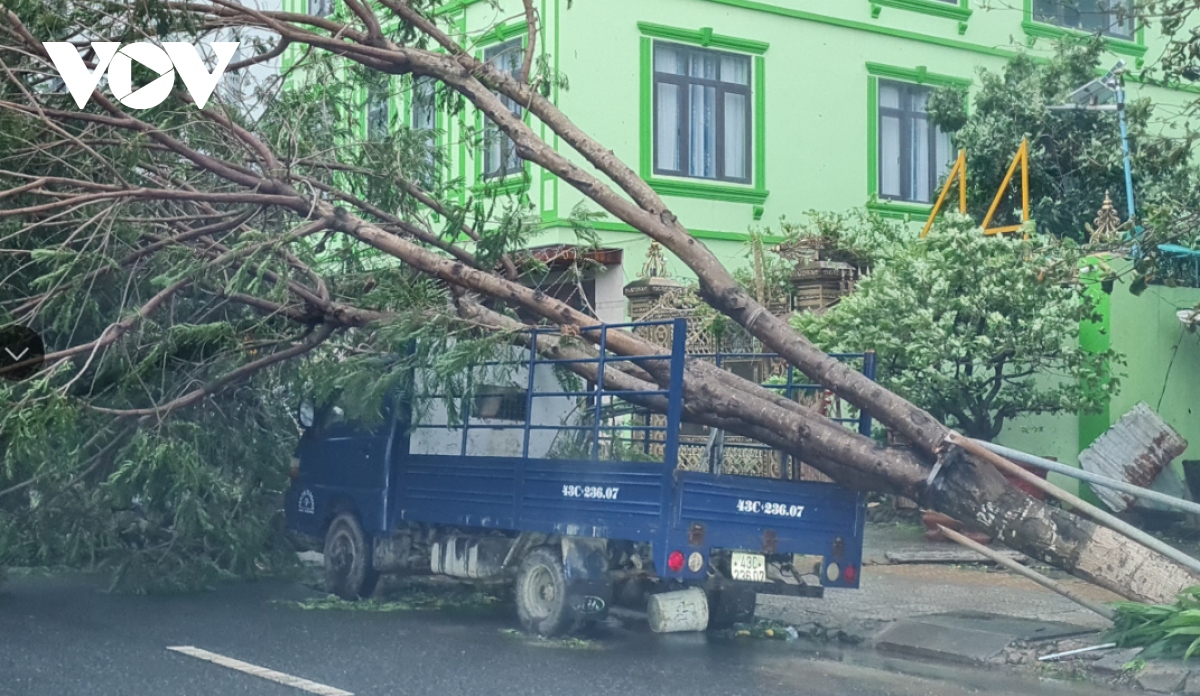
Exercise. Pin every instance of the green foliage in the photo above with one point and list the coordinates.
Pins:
(411, 599)
(857, 237)
(1074, 156)
(92, 475)
(180, 506)
(1164, 630)
(977, 330)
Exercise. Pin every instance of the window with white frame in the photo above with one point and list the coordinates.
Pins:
(424, 105)
(499, 151)
(702, 113)
(424, 122)
(913, 153)
(377, 112)
(320, 8)
(1108, 17)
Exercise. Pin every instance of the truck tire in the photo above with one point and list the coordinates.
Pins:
(542, 593)
(349, 572)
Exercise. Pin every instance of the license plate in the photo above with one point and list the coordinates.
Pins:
(748, 567)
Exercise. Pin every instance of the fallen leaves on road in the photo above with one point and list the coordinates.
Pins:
(409, 599)
(570, 642)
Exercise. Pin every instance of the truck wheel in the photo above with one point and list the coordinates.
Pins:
(349, 573)
(542, 593)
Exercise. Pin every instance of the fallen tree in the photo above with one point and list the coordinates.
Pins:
(208, 204)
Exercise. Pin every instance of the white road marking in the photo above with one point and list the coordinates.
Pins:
(262, 672)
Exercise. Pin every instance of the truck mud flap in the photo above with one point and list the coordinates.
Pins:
(589, 584)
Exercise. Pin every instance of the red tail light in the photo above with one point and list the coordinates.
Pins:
(850, 574)
(675, 561)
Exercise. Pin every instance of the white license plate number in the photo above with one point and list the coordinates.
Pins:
(748, 567)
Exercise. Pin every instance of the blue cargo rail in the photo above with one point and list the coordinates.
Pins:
(572, 487)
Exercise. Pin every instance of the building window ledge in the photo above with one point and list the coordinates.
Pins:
(715, 192)
(1040, 30)
(956, 11)
(899, 210)
(513, 184)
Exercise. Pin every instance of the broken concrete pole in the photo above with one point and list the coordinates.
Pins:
(684, 610)
(1135, 449)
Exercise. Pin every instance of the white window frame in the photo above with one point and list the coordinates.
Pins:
(907, 116)
(500, 157)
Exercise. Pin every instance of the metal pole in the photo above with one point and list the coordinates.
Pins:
(1125, 150)
(1103, 481)
(675, 396)
(1100, 516)
(864, 417)
(1026, 572)
(599, 392)
(1077, 651)
(529, 392)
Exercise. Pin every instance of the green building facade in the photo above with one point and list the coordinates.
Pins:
(739, 112)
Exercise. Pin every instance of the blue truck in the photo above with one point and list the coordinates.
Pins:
(574, 491)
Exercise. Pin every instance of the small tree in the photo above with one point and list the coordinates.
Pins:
(977, 330)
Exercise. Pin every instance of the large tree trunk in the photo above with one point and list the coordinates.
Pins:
(967, 489)
(976, 493)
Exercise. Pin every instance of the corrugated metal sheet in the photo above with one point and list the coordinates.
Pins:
(1135, 449)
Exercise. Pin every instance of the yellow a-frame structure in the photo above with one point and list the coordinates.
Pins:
(958, 174)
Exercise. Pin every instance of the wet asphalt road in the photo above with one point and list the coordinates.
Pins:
(62, 636)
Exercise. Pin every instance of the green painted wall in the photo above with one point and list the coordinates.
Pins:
(815, 64)
(812, 77)
(1163, 358)
(1162, 369)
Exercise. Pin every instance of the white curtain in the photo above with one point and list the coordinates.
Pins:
(424, 115)
(667, 111)
(702, 127)
(889, 144)
(945, 153)
(668, 59)
(696, 127)
(736, 130)
(499, 152)
(735, 70)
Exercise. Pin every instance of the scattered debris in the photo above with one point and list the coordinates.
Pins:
(335, 603)
(1077, 651)
(1116, 661)
(311, 558)
(408, 598)
(1163, 678)
(570, 642)
(934, 521)
(771, 630)
(778, 630)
